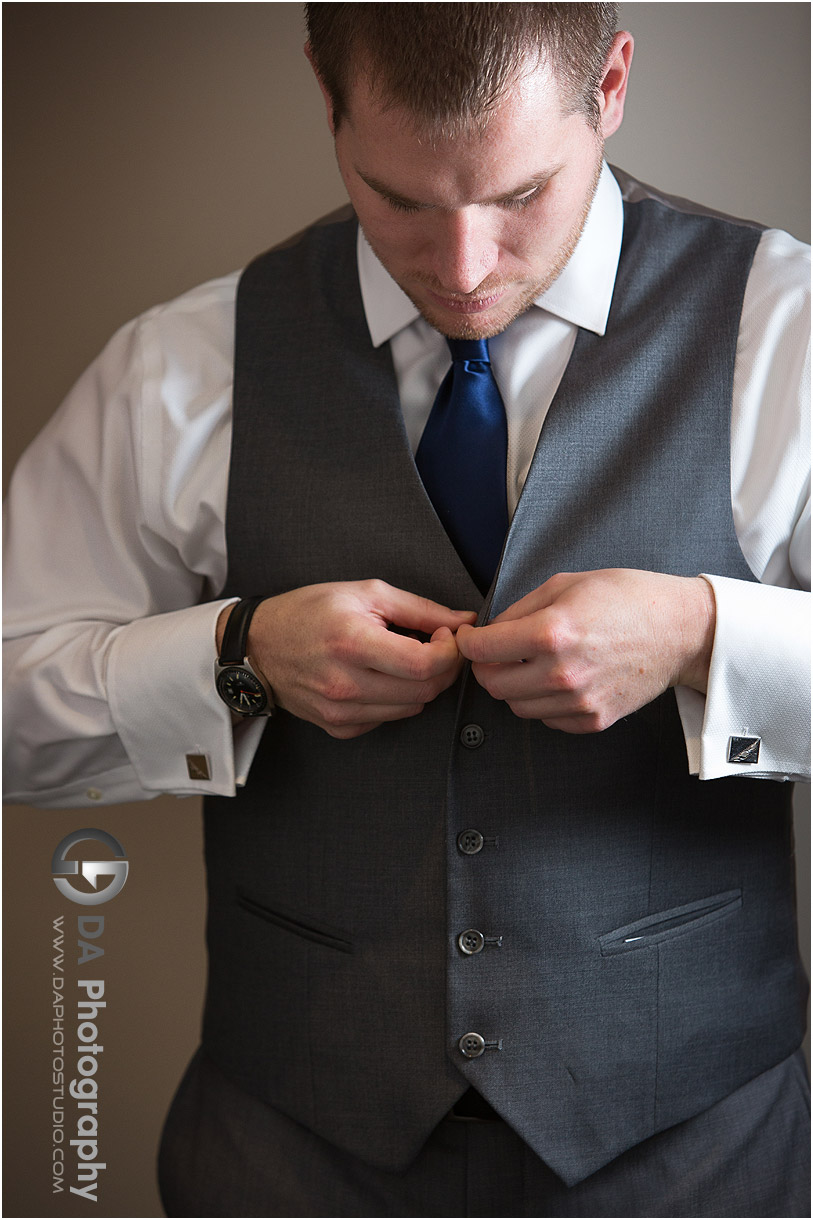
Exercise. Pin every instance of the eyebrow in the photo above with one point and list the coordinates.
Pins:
(524, 188)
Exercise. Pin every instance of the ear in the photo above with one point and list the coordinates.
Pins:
(613, 87)
(328, 101)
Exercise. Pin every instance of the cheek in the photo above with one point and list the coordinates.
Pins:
(392, 235)
(527, 239)
(552, 223)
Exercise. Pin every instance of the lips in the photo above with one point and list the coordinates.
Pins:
(467, 305)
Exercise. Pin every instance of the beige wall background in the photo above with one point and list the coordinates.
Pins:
(149, 147)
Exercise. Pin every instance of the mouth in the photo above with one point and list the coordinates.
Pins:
(467, 305)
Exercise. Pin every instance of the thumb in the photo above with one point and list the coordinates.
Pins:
(446, 639)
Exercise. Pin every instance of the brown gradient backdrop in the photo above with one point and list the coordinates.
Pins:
(149, 147)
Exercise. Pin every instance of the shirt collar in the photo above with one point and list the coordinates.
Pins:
(582, 293)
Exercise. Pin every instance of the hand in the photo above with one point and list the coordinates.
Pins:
(330, 658)
(587, 648)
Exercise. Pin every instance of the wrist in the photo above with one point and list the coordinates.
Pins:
(220, 626)
(240, 684)
(699, 620)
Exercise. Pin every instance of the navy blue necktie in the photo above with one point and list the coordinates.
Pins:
(462, 457)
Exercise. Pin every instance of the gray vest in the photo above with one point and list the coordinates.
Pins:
(647, 963)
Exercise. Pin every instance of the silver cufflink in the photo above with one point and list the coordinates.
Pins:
(744, 749)
(198, 766)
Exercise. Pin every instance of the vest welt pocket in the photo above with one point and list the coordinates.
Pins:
(291, 922)
(665, 925)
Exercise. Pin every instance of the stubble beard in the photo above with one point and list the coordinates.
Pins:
(495, 323)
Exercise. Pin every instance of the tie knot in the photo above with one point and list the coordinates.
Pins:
(469, 349)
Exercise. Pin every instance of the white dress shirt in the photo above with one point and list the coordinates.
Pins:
(116, 549)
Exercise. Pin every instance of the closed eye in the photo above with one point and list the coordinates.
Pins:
(398, 205)
(514, 203)
(517, 202)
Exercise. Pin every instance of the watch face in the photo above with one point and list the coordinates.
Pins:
(242, 691)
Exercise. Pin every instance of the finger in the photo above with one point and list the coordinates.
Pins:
(579, 724)
(501, 641)
(573, 724)
(402, 657)
(419, 613)
(566, 718)
(515, 679)
(340, 718)
(347, 732)
(372, 689)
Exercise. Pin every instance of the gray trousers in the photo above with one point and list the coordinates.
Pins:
(225, 1153)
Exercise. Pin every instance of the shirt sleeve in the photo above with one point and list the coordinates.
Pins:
(759, 682)
(114, 556)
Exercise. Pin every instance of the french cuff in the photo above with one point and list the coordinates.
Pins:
(755, 717)
(177, 731)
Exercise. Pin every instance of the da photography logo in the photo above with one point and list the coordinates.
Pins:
(79, 1009)
(63, 869)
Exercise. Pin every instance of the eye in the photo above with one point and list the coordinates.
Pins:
(521, 201)
(398, 206)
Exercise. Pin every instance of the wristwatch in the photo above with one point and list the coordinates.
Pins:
(241, 687)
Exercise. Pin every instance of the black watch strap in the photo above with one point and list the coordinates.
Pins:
(235, 638)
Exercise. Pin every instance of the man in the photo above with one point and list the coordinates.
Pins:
(509, 882)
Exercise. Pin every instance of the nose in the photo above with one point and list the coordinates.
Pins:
(466, 250)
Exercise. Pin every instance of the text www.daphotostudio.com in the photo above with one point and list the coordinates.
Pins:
(78, 1011)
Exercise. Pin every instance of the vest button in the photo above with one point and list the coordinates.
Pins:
(470, 842)
(472, 736)
(471, 941)
(472, 1045)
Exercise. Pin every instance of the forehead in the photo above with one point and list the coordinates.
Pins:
(532, 85)
(528, 128)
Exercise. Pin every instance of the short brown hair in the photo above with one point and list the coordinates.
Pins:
(449, 63)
